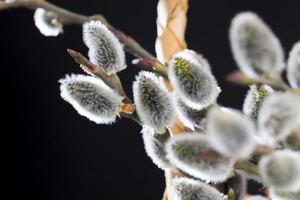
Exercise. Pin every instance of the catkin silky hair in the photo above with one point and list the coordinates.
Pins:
(153, 103)
(293, 66)
(155, 147)
(91, 97)
(192, 81)
(230, 132)
(279, 116)
(281, 170)
(281, 195)
(189, 116)
(188, 189)
(256, 197)
(254, 99)
(292, 141)
(255, 47)
(105, 50)
(193, 154)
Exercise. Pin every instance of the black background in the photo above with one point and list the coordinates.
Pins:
(61, 155)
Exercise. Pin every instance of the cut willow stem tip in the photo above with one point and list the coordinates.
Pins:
(80, 59)
(151, 64)
(112, 80)
(238, 78)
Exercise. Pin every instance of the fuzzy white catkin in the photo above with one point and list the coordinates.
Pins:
(197, 57)
(256, 197)
(238, 184)
(155, 147)
(230, 132)
(279, 195)
(279, 116)
(188, 189)
(192, 80)
(255, 48)
(292, 141)
(254, 99)
(293, 66)
(91, 97)
(105, 50)
(47, 22)
(192, 154)
(153, 103)
(281, 170)
(189, 116)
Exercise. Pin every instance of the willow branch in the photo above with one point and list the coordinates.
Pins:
(112, 80)
(246, 166)
(67, 17)
(237, 77)
(152, 64)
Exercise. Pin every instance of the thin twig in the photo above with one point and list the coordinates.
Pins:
(237, 77)
(67, 17)
(247, 166)
(112, 80)
(151, 64)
